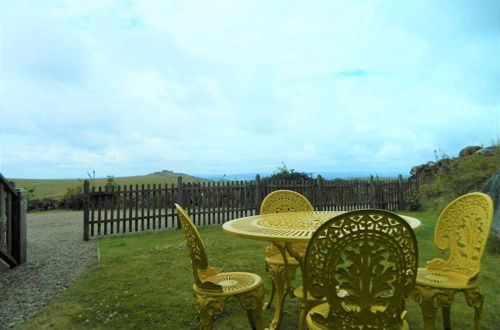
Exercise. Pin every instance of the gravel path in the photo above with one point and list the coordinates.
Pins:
(56, 257)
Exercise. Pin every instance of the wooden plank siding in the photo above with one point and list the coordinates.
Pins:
(13, 208)
(119, 210)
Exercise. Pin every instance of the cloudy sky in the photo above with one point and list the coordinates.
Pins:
(135, 86)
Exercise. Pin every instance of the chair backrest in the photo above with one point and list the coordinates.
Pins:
(195, 246)
(463, 228)
(285, 201)
(365, 264)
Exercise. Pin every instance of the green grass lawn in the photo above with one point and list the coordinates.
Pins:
(145, 282)
(57, 188)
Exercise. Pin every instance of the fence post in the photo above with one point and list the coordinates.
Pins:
(319, 193)
(371, 192)
(180, 196)
(380, 195)
(86, 207)
(400, 196)
(19, 227)
(257, 194)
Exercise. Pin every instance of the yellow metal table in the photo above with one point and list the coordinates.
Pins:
(284, 228)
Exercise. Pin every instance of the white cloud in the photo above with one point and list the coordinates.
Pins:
(133, 87)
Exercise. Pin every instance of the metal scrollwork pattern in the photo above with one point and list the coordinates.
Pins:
(297, 226)
(463, 228)
(282, 269)
(297, 220)
(212, 289)
(252, 300)
(208, 308)
(232, 282)
(285, 201)
(194, 244)
(365, 264)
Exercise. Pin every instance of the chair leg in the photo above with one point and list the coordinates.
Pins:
(278, 276)
(267, 305)
(209, 307)
(429, 314)
(475, 299)
(252, 302)
(304, 308)
(446, 318)
(430, 300)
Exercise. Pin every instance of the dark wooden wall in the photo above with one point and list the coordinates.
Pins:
(12, 224)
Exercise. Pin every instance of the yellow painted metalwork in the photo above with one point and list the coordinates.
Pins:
(280, 201)
(298, 228)
(365, 264)
(280, 266)
(288, 227)
(462, 229)
(211, 288)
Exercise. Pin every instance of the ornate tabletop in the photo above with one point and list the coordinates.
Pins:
(286, 227)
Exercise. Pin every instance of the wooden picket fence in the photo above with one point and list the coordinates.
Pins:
(136, 208)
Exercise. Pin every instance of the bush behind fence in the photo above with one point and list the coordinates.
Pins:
(134, 208)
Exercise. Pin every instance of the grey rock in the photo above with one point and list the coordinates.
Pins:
(467, 151)
(414, 170)
(485, 151)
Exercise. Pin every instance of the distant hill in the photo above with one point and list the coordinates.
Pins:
(57, 188)
(173, 175)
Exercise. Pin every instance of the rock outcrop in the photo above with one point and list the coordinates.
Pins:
(428, 171)
(492, 188)
(467, 151)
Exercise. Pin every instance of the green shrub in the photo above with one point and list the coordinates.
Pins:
(72, 199)
(111, 184)
(30, 192)
(42, 204)
(282, 173)
(412, 204)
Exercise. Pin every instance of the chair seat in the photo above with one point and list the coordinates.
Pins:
(299, 293)
(443, 279)
(232, 283)
(323, 310)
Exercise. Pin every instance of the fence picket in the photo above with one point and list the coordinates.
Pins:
(144, 207)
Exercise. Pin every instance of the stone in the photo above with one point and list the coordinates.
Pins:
(467, 151)
(430, 164)
(486, 151)
(414, 170)
(492, 188)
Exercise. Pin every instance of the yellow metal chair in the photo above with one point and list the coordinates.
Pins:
(365, 264)
(277, 202)
(212, 289)
(462, 228)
